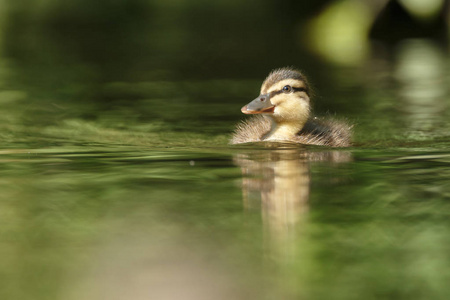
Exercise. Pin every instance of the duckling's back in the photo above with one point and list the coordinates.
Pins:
(327, 132)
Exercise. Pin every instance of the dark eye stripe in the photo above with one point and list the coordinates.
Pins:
(300, 90)
(274, 93)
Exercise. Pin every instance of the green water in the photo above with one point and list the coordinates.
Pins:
(117, 180)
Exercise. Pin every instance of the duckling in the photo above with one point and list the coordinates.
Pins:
(283, 114)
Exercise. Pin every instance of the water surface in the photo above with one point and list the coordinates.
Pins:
(117, 180)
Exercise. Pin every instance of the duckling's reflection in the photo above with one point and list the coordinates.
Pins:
(279, 179)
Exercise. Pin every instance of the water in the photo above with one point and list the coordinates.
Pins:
(109, 223)
(118, 182)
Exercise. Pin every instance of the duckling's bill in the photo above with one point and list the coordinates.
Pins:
(260, 105)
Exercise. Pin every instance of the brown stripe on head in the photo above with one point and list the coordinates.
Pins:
(278, 75)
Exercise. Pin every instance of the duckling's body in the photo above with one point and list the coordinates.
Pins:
(283, 110)
(314, 132)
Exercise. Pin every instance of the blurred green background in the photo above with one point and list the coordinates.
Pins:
(117, 180)
(158, 66)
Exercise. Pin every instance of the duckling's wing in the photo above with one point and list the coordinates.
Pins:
(330, 132)
(251, 130)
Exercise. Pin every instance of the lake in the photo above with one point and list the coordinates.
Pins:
(118, 182)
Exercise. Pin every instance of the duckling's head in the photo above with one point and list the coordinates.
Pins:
(284, 97)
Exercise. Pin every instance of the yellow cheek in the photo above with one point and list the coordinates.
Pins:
(277, 100)
(276, 103)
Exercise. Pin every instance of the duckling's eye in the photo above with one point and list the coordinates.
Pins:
(287, 88)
